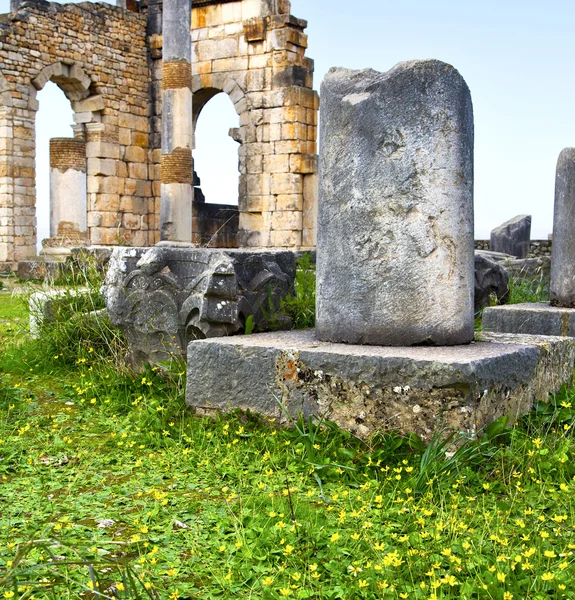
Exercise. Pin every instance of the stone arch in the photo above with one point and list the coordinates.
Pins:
(75, 84)
(201, 95)
(216, 225)
(71, 79)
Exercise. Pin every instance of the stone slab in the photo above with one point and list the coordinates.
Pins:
(533, 318)
(369, 388)
(512, 237)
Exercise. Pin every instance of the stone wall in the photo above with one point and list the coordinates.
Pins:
(537, 248)
(97, 55)
(254, 51)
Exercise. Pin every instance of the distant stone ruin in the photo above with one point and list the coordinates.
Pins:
(138, 76)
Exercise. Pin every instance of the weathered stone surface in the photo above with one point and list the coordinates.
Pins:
(512, 237)
(534, 318)
(491, 281)
(166, 296)
(395, 216)
(368, 388)
(563, 257)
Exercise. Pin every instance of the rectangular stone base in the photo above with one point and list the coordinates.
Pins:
(533, 318)
(371, 388)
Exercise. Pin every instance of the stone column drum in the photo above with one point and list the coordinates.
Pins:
(563, 255)
(67, 189)
(176, 161)
(395, 259)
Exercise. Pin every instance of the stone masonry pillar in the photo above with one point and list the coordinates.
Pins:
(395, 264)
(176, 165)
(68, 225)
(563, 253)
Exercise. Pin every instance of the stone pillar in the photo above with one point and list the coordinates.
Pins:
(563, 253)
(176, 166)
(68, 209)
(395, 259)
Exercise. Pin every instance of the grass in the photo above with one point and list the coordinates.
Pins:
(112, 489)
(529, 289)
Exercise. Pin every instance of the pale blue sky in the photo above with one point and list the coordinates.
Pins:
(517, 57)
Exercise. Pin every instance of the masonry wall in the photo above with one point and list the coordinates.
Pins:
(97, 54)
(254, 51)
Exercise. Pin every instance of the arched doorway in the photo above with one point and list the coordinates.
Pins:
(54, 119)
(216, 170)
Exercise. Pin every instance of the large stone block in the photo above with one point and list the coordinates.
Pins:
(365, 389)
(512, 237)
(395, 215)
(166, 296)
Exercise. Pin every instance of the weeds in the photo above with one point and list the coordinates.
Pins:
(301, 305)
(529, 289)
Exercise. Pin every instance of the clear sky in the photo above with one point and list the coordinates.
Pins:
(517, 57)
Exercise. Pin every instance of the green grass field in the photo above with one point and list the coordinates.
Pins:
(111, 488)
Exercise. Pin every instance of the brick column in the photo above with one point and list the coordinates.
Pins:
(176, 165)
(68, 226)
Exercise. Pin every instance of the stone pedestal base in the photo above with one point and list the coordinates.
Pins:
(534, 318)
(372, 388)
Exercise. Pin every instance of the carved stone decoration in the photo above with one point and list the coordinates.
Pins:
(167, 296)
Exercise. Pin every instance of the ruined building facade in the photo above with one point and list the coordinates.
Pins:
(119, 66)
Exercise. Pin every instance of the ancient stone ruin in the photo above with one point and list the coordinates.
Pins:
(165, 297)
(401, 204)
(512, 237)
(557, 317)
(138, 76)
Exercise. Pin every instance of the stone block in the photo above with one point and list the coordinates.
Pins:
(286, 183)
(135, 154)
(534, 318)
(102, 166)
(41, 305)
(368, 389)
(395, 221)
(563, 258)
(491, 281)
(286, 220)
(303, 163)
(512, 237)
